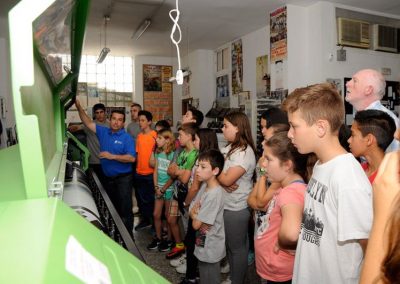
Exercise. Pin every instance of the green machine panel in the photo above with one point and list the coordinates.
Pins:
(43, 240)
(47, 242)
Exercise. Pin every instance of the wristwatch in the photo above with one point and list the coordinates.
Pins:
(262, 171)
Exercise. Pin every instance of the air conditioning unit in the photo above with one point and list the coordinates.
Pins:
(384, 38)
(353, 33)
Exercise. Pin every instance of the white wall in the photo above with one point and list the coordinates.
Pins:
(298, 36)
(202, 81)
(312, 40)
(254, 45)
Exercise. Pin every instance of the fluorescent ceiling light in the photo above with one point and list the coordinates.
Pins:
(141, 29)
(105, 50)
(103, 55)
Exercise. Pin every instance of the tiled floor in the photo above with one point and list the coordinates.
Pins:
(159, 263)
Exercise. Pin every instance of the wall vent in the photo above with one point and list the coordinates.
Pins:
(384, 38)
(353, 33)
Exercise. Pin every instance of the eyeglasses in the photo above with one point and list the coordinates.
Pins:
(99, 111)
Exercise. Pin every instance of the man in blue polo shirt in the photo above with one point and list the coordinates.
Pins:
(117, 153)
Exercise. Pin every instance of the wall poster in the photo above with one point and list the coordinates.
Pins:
(157, 91)
(242, 98)
(237, 67)
(263, 80)
(186, 87)
(278, 34)
(222, 91)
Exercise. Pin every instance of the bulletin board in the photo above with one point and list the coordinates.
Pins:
(157, 91)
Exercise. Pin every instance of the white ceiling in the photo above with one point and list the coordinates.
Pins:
(206, 24)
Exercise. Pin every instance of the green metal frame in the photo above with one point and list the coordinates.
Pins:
(83, 148)
(37, 227)
(38, 150)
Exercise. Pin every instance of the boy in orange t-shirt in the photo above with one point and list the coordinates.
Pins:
(143, 179)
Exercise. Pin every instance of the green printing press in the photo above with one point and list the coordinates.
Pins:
(43, 239)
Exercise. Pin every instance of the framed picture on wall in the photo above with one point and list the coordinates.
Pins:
(157, 91)
(278, 34)
(222, 86)
(222, 91)
(237, 67)
(243, 97)
(152, 78)
(263, 81)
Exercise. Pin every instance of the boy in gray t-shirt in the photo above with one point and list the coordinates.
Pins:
(207, 213)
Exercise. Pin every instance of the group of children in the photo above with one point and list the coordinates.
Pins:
(310, 199)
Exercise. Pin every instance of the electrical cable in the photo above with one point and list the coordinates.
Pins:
(176, 27)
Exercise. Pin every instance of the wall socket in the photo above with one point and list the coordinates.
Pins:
(386, 71)
(341, 55)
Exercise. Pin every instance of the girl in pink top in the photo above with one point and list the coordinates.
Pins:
(278, 225)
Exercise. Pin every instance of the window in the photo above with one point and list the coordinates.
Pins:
(113, 78)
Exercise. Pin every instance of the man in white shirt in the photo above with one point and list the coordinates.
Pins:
(364, 91)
